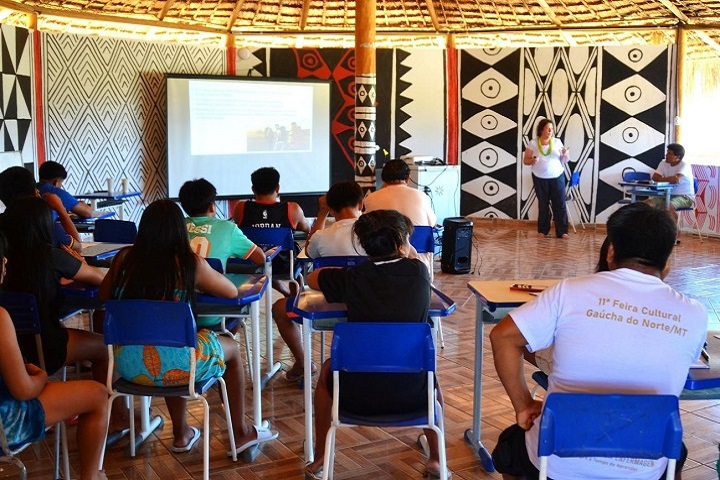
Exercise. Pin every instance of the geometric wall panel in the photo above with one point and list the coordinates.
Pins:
(16, 91)
(105, 109)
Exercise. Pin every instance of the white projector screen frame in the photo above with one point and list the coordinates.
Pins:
(224, 128)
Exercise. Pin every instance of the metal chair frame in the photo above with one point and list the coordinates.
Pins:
(168, 324)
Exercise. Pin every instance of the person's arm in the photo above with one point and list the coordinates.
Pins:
(297, 217)
(530, 158)
(23, 381)
(508, 344)
(323, 212)
(89, 275)
(56, 204)
(239, 212)
(677, 178)
(210, 281)
(257, 256)
(82, 209)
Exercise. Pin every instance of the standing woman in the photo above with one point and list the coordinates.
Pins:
(547, 155)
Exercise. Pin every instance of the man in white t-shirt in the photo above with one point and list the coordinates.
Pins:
(622, 331)
(395, 194)
(677, 171)
(344, 201)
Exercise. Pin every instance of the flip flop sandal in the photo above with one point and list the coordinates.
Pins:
(190, 444)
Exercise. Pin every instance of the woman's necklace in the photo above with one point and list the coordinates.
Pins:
(549, 150)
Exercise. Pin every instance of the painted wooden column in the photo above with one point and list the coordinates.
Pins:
(365, 94)
(32, 21)
(680, 80)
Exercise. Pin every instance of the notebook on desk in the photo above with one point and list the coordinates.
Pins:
(98, 249)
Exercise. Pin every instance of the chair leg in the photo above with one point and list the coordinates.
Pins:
(206, 438)
(228, 418)
(329, 461)
(570, 217)
(243, 325)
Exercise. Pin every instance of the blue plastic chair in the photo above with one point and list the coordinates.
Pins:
(632, 176)
(696, 186)
(23, 310)
(573, 196)
(168, 324)
(610, 425)
(115, 231)
(8, 456)
(384, 348)
(424, 240)
(339, 261)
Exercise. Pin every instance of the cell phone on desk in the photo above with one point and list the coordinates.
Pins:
(525, 287)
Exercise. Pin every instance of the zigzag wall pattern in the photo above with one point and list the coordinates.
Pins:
(16, 91)
(105, 109)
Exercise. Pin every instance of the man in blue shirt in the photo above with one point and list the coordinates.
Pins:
(52, 175)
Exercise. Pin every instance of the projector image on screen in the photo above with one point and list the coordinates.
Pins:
(224, 128)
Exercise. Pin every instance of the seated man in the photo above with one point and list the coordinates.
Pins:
(210, 236)
(18, 182)
(52, 175)
(344, 201)
(267, 211)
(622, 330)
(395, 194)
(677, 171)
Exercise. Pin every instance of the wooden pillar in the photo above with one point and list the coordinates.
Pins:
(365, 94)
(32, 20)
(680, 69)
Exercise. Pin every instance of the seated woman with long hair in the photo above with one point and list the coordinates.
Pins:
(29, 403)
(35, 266)
(162, 266)
(388, 288)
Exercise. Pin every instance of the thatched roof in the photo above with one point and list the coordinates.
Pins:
(466, 23)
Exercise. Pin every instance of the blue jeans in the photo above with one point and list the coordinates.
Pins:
(551, 195)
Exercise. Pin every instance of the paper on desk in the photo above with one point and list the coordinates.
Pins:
(699, 363)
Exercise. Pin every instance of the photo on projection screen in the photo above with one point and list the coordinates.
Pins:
(224, 128)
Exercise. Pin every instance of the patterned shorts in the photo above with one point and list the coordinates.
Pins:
(168, 366)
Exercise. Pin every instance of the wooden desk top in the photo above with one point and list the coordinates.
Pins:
(497, 294)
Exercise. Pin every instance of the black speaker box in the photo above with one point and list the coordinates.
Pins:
(456, 245)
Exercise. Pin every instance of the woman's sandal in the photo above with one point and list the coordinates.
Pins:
(310, 475)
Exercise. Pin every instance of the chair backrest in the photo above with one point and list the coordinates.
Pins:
(23, 310)
(339, 261)
(610, 425)
(574, 179)
(269, 237)
(383, 347)
(115, 231)
(696, 185)
(423, 238)
(149, 322)
(633, 176)
(216, 264)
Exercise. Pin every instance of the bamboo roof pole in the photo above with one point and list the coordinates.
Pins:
(365, 93)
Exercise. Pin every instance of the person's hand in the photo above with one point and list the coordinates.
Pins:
(322, 204)
(34, 370)
(535, 159)
(526, 416)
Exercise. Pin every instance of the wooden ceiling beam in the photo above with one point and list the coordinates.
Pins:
(549, 12)
(674, 10)
(304, 14)
(707, 39)
(165, 9)
(233, 16)
(433, 14)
